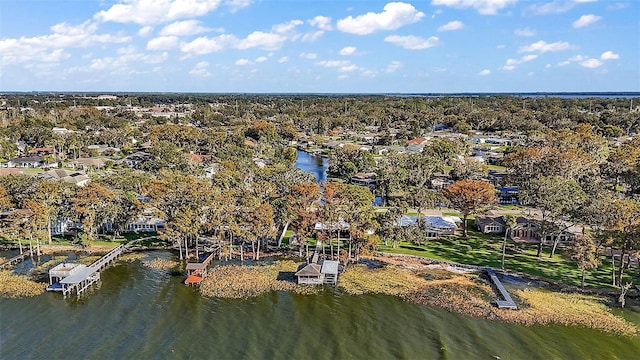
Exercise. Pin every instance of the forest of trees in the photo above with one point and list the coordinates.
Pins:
(568, 164)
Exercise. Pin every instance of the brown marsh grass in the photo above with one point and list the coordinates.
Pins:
(469, 294)
(15, 286)
(241, 282)
(160, 264)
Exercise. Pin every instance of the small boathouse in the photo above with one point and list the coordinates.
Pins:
(196, 272)
(318, 272)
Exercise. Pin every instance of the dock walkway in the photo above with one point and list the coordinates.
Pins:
(508, 302)
(14, 260)
(76, 278)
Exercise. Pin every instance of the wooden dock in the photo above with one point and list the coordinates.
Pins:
(14, 260)
(72, 278)
(196, 272)
(507, 302)
(316, 253)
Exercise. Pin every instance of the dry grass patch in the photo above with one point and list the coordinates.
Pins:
(469, 294)
(88, 260)
(239, 282)
(160, 264)
(571, 309)
(390, 280)
(14, 286)
(131, 257)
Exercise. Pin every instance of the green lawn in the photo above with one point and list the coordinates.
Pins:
(483, 250)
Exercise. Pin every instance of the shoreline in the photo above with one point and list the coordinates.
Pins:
(542, 282)
(410, 262)
(454, 287)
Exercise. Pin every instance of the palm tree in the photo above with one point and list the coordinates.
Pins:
(509, 223)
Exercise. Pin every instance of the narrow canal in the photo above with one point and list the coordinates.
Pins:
(314, 164)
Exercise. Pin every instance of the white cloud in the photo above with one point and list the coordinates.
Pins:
(412, 42)
(510, 64)
(548, 66)
(394, 66)
(183, 28)
(312, 36)
(348, 50)
(287, 27)
(206, 45)
(235, 5)
(283, 59)
(484, 7)
(261, 59)
(554, 7)
(163, 43)
(393, 16)
(609, 55)
(310, 56)
(542, 47)
(451, 25)
(200, 70)
(342, 65)
(321, 22)
(261, 40)
(49, 47)
(585, 20)
(145, 31)
(618, 6)
(591, 63)
(484, 72)
(243, 62)
(122, 63)
(524, 32)
(576, 58)
(146, 12)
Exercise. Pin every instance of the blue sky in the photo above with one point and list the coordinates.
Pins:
(326, 46)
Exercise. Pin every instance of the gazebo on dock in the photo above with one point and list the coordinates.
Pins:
(70, 277)
(195, 273)
(310, 275)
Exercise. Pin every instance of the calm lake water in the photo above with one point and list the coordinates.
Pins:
(141, 313)
(316, 165)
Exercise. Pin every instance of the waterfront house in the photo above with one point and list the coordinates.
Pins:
(434, 226)
(490, 224)
(147, 221)
(525, 230)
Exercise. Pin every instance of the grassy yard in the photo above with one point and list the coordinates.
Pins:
(483, 250)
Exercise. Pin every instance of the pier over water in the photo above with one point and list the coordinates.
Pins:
(72, 278)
